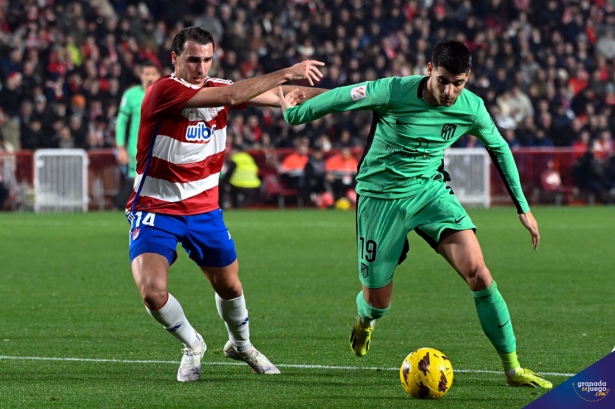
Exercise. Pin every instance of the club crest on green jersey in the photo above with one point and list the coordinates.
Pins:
(448, 131)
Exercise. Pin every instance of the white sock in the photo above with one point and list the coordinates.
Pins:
(172, 318)
(235, 316)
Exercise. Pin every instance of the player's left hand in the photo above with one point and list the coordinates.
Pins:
(291, 99)
(528, 221)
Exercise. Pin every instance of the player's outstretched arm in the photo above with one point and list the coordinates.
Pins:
(369, 96)
(245, 90)
(270, 98)
(530, 223)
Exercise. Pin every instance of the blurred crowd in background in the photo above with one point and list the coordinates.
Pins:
(544, 68)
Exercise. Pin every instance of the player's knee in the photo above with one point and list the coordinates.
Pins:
(154, 296)
(229, 293)
(478, 277)
(154, 300)
(227, 289)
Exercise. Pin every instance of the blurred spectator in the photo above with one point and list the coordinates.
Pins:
(503, 119)
(323, 143)
(292, 166)
(589, 175)
(551, 182)
(43, 113)
(210, 21)
(542, 139)
(252, 129)
(98, 136)
(242, 178)
(609, 174)
(266, 145)
(511, 138)
(11, 94)
(550, 177)
(343, 168)
(79, 130)
(563, 129)
(12, 62)
(603, 145)
(4, 189)
(605, 46)
(526, 130)
(32, 136)
(78, 105)
(26, 110)
(10, 131)
(30, 80)
(64, 138)
(516, 104)
(316, 184)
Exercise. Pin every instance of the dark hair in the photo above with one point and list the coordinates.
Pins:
(148, 64)
(196, 34)
(453, 56)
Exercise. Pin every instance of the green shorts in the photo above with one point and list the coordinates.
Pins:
(383, 226)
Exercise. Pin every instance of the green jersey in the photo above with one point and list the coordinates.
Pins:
(129, 112)
(409, 136)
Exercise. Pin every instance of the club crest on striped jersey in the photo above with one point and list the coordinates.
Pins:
(200, 132)
(201, 114)
(358, 93)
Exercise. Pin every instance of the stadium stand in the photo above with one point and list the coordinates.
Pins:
(545, 69)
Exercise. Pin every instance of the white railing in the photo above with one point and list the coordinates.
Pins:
(60, 180)
(469, 169)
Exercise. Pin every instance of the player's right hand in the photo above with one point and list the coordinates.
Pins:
(307, 69)
(530, 223)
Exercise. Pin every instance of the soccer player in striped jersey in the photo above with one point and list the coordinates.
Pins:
(180, 152)
(401, 186)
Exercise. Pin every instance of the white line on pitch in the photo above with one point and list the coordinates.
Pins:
(355, 368)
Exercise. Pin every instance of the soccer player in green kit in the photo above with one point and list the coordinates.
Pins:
(128, 117)
(401, 186)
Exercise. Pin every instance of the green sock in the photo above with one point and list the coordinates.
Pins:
(495, 320)
(366, 311)
(509, 361)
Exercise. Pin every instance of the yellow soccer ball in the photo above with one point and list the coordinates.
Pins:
(343, 204)
(426, 373)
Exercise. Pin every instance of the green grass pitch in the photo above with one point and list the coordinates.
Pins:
(75, 333)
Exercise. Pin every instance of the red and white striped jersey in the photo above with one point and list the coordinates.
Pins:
(180, 151)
